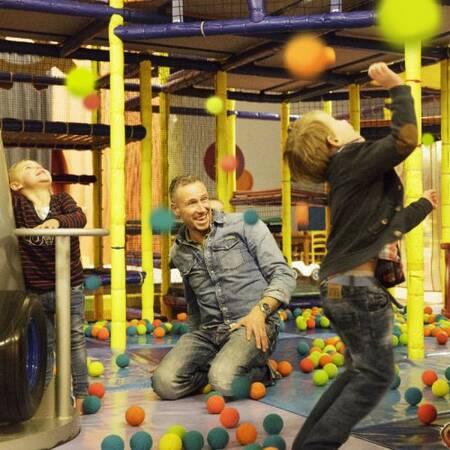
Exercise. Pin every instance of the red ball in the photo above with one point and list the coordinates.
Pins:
(91, 101)
(103, 334)
(429, 377)
(442, 338)
(156, 323)
(229, 417)
(229, 163)
(427, 413)
(306, 365)
(215, 404)
(311, 323)
(97, 389)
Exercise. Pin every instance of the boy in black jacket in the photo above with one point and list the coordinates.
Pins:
(367, 214)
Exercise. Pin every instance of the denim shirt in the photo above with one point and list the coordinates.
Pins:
(237, 266)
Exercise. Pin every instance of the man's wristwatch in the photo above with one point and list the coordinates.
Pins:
(265, 308)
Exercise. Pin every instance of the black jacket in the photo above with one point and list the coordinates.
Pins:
(366, 195)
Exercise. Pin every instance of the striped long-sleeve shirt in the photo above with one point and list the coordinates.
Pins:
(37, 253)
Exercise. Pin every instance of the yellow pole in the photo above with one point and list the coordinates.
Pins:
(221, 141)
(414, 189)
(147, 289)
(231, 150)
(117, 183)
(164, 111)
(328, 108)
(445, 163)
(286, 208)
(355, 107)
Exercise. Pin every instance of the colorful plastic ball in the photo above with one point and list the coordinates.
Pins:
(329, 349)
(193, 440)
(403, 339)
(80, 82)
(300, 323)
(159, 332)
(228, 163)
(214, 105)
(215, 404)
(91, 404)
(175, 328)
(413, 396)
(212, 393)
(218, 438)
(324, 360)
(92, 282)
(183, 329)
(426, 413)
(275, 441)
(306, 365)
(429, 377)
(96, 369)
(285, 368)
(324, 322)
(88, 331)
(162, 220)
(91, 101)
(252, 447)
(319, 343)
(229, 417)
(206, 389)
(246, 433)
(141, 440)
(250, 217)
(134, 415)
(302, 348)
(168, 327)
(131, 330)
(157, 323)
(331, 369)
(97, 389)
(103, 334)
(182, 317)
(396, 382)
(427, 139)
(170, 441)
(257, 390)
(141, 329)
(273, 424)
(394, 340)
(320, 377)
(442, 338)
(447, 373)
(240, 387)
(113, 442)
(440, 388)
(297, 312)
(179, 430)
(122, 360)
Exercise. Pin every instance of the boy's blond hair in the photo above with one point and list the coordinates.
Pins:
(307, 150)
(13, 171)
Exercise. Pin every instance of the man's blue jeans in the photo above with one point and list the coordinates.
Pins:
(214, 356)
(77, 340)
(363, 318)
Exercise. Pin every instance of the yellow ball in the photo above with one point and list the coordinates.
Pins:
(80, 82)
(170, 441)
(214, 105)
(440, 388)
(206, 389)
(96, 369)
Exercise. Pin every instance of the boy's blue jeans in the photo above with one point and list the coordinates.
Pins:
(77, 340)
(363, 318)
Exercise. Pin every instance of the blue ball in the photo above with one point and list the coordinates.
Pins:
(183, 329)
(113, 442)
(122, 360)
(176, 328)
(240, 387)
(413, 396)
(88, 331)
(218, 438)
(193, 440)
(131, 330)
(252, 447)
(282, 325)
(275, 441)
(91, 404)
(150, 328)
(273, 424)
(250, 217)
(162, 220)
(396, 382)
(397, 331)
(302, 349)
(92, 282)
(297, 312)
(447, 373)
(141, 440)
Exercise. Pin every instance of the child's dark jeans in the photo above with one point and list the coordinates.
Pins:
(360, 310)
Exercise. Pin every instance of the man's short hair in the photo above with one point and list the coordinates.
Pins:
(182, 180)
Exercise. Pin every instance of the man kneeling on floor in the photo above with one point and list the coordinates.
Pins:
(235, 278)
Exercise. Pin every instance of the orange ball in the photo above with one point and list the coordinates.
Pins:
(181, 316)
(314, 349)
(330, 56)
(306, 56)
(435, 331)
(215, 404)
(306, 365)
(95, 330)
(229, 417)
(340, 347)
(442, 338)
(97, 389)
(428, 310)
(246, 433)
(429, 377)
(273, 364)
(324, 360)
(285, 368)
(135, 415)
(257, 390)
(159, 332)
(103, 334)
(426, 332)
(426, 413)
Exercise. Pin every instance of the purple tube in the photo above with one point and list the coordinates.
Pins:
(256, 10)
(275, 24)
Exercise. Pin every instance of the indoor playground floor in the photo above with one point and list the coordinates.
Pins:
(393, 424)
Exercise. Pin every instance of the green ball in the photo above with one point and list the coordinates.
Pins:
(91, 404)
(218, 438)
(193, 440)
(273, 424)
(92, 282)
(175, 328)
(141, 329)
(214, 105)
(162, 220)
(394, 340)
(141, 440)
(300, 323)
(329, 349)
(427, 139)
(275, 441)
(401, 21)
(331, 369)
(319, 343)
(170, 441)
(168, 326)
(80, 82)
(447, 373)
(250, 217)
(440, 388)
(320, 377)
(240, 387)
(179, 430)
(252, 447)
(396, 382)
(413, 396)
(338, 359)
(403, 340)
(211, 393)
(302, 348)
(183, 329)
(122, 360)
(324, 322)
(113, 442)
